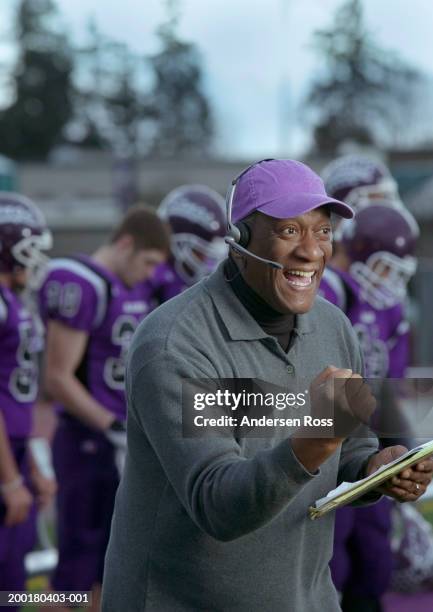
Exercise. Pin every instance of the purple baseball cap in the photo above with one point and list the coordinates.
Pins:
(282, 188)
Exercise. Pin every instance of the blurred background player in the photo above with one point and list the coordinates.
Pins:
(92, 305)
(370, 269)
(372, 261)
(368, 279)
(359, 180)
(197, 220)
(23, 485)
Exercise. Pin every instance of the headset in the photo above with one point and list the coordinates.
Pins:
(238, 235)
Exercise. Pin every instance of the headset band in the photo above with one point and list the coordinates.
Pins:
(232, 189)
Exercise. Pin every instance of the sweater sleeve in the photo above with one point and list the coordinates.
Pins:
(224, 493)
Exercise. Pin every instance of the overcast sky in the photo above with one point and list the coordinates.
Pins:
(255, 53)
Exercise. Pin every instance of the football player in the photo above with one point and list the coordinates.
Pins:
(92, 305)
(23, 238)
(368, 281)
(197, 219)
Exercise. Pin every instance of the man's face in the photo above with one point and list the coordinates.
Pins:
(140, 265)
(302, 245)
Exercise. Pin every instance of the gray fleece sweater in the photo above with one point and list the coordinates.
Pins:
(215, 523)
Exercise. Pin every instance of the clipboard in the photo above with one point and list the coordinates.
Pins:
(348, 492)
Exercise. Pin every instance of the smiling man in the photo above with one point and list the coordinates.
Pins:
(302, 245)
(221, 522)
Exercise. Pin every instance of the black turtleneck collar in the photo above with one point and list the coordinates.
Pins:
(272, 322)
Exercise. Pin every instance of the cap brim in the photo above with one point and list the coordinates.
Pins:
(289, 208)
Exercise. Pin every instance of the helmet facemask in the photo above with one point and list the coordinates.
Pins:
(383, 278)
(367, 195)
(364, 195)
(196, 215)
(195, 257)
(28, 253)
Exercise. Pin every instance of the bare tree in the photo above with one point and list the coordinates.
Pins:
(178, 105)
(41, 105)
(364, 93)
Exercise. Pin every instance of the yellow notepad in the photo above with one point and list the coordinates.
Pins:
(347, 492)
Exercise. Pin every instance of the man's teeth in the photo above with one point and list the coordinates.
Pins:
(304, 278)
(300, 273)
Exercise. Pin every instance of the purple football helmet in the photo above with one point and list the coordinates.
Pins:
(196, 215)
(23, 235)
(358, 180)
(380, 242)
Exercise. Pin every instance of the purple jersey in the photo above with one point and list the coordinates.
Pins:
(20, 341)
(362, 562)
(165, 283)
(82, 294)
(383, 334)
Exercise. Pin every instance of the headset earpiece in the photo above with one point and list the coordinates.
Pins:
(244, 234)
(233, 233)
(240, 234)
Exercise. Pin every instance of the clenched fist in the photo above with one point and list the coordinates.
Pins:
(340, 394)
(336, 394)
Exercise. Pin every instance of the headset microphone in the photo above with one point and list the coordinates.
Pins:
(238, 235)
(240, 249)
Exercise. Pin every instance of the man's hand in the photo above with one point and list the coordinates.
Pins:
(338, 394)
(411, 483)
(18, 501)
(45, 488)
(343, 396)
